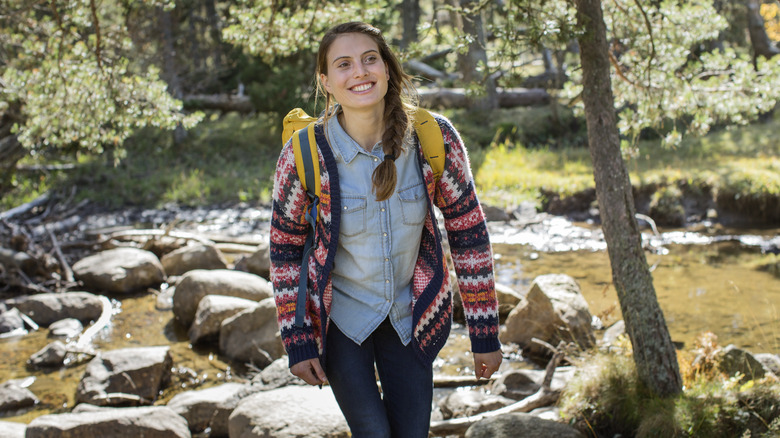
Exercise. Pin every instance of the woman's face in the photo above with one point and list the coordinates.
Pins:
(356, 74)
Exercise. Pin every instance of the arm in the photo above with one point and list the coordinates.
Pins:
(288, 236)
(466, 229)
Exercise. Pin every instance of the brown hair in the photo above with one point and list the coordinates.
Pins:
(399, 101)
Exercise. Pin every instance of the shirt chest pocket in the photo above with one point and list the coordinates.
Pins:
(353, 215)
(414, 204)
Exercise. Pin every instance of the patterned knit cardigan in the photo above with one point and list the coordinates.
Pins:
(464, 221)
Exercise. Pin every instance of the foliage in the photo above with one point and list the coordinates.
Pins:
(606, 398)
(66, 68)
(771, 14)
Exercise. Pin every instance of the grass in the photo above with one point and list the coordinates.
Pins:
(606, 398)
(517, 155)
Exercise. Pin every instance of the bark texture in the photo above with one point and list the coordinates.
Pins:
(654, 353)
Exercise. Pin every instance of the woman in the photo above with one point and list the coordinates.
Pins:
(379, 293)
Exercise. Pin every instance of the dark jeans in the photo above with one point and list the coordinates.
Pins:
(403, 408)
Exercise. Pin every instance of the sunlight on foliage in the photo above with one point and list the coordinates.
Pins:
(771, 14)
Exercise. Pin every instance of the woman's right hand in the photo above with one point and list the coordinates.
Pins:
(310, 371)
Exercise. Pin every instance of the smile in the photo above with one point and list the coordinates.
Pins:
(362, 87)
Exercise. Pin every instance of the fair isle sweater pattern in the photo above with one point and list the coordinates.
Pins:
(466, 229)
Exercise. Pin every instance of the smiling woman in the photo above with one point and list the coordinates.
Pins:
(378, 293)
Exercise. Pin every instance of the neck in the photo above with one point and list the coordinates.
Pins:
(365, 127)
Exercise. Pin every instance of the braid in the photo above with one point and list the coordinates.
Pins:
(396, 127)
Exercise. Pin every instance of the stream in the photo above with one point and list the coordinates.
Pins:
(706, 279)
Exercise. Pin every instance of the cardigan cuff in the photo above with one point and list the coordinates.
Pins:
(301, 353)
(485, 345)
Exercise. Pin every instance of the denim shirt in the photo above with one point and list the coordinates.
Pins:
(378, 242)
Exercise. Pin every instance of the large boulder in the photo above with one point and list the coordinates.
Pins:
(207, 408)
(146, 422)
(11, 322)
(195, 285)
(212, 310)
(276, 375)
(508, 299)
(45, 309)
(520, 424)
(51, 355)
(290, 412)
(515, 384)
(554, 310)
(120, 270)
(193, 257)
(14, 397)
(12, 429)
(259, 263)
(734, 360)
(130, 372)
(252, 335)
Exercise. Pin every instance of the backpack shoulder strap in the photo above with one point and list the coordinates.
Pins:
(307, 160)
(431, 140)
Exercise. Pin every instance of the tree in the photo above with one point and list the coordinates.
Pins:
(654, 353)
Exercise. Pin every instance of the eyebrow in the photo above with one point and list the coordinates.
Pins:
(349, 57)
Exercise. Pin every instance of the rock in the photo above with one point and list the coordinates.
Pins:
(68, 328)
(508, 299)
(45, 309)
(212, 310)
(554, 310)
(165, 298)
(196, 284)
(552, 413)
(11, 429)
(734, 360)
(613, 333)
(140, 372)
(146, 422)
(515, 384)
(771, 362)
(193, 257)
(51, 355)
(259, 263)
(201, 408)
(291, 412)
(467, 403)
(120, 270)
(511, 425)
(276, 375)
(14, 397)
(496, 214)
(252, 335)
(11, 321)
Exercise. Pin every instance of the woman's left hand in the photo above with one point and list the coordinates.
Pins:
(485, 364)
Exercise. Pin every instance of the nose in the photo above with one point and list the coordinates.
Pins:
(360, 70)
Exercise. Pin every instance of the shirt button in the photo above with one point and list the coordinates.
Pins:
(384, 234)
(387, 259)
(387, 281)
(376, 159)
(345, 207)
(381, 209)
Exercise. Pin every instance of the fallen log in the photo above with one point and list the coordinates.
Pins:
(24, 208)
(220, 102)
(457, 98)
(459, 381)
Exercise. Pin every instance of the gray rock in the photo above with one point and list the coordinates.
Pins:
(252, 335)
(496, 214)
(11, 429)
(277, 375)
(515, 384)
(11, 321)
(520, 424)
(212, 310)
(140, 372)
(146, 422)
(193, 257)
(165, 298)
(45, 309)
(734, 360)
(554, 310)
(508, 299)
(259, 263)
(51, 355)
(770, 361)
(467, 403)
(120, 270)
(288, 413)
(13, 397)
(196, 284)
(207, 406)
(68, 328)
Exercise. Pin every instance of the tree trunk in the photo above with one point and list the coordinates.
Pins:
(470, 63)
(11, 151)
(654, 353)
(762, 46)
(170, 73)
(410, 17)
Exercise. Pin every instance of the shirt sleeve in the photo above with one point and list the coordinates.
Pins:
(288, 237)
(464, 221)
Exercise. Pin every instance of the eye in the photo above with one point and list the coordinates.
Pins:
(370, 59)
(342, 64)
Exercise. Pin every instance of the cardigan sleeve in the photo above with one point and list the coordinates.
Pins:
(288, 237)
(467, 233)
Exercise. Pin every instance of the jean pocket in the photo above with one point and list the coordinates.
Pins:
(414, 204)
(353, 215)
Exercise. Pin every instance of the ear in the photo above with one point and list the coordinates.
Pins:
(324, 82)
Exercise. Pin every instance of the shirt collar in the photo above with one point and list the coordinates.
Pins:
(344, 145)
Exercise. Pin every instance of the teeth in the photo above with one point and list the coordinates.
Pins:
(363, 87)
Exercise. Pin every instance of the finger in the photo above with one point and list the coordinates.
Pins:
(319, 372)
